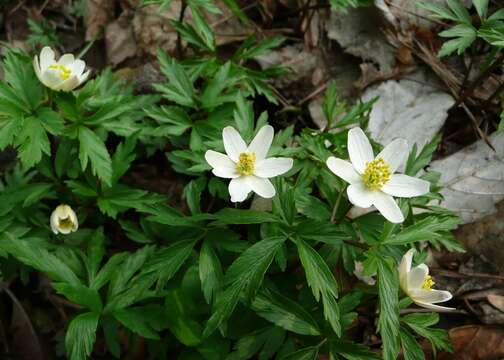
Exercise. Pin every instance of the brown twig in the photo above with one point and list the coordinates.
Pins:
(455, 274)
(482, 76)
(180, 50)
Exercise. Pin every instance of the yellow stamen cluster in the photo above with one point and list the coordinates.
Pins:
(64, 72)
(428, 283)
(377, 174)
(66, 223)
(246, 164)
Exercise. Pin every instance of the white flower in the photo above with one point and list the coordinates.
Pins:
(65, 74)
(64, 220)
(417, 284)
(247, 167)
(372, 179)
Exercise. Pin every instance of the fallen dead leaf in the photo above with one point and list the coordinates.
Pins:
(357, 33)
(97, 15)
(474, 342)
(472, 179)
(120, 40)
(414, 109)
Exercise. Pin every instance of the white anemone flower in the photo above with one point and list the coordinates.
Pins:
(64, 220)
(247, 166)
(372, 179)
(417, 284)
(63, 75)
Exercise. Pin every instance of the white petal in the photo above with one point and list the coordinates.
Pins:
(36, 66)
(360, 195)
(395, 153)
(222, 165)
(217, 160)
(359, 149)
(51, 79)
(233, 143)
(387, 206)
(417, 275)
(47, 58)
(69, 84)
(434, 307)
(239, 189)
(343, 169)
(261, 143)
(272, 167)
(78, 67)
(66, 60)
(430, 296)
(401, 185)
(404, 269)
(74, 219)
(84, 76)
(54, 222)
(262, 187)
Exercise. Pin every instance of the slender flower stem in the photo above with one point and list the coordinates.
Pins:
(336, 205)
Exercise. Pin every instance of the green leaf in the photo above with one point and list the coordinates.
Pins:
(32, 254)
(189, 34)
(352, 351)
(244, 116)
(438, 11)
(245, 275)
(145, 321)
(264, 341)
(429, 228)
(239, 216)
(309, 353)
(192, 194)
(210, 271)
(123, 157)
(411, 348)
(166, 261)
(420, 323)
(416, 162)
(219, 89)
(180, 88)
(261, 48)
(481, 7)
(321, 281)
(285, 313)
(388, 288)
(202, 27)
(463, 34)
(51, 120)
(20, 75)
(106, 272)
(93, 148)
(460, 11)
(80, 294)
(81, 335)
(173, 120)
(32, 142)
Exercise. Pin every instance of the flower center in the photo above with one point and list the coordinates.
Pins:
(63, 72)
(246, 164)
(66, 223)
(428, 283)
(377, 174)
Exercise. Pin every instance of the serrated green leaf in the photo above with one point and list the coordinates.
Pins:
(321, 281)
(81, 335)
(411, 348)
(32, 142)
(239, 216)
(145, 321)
(92, 148)
(210, 271)
(80, 294)
(388, 288)
(284, 313)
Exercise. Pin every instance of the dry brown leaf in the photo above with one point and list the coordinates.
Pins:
(97, 15)
(120, 41)
(474, 342)
(497, 301)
